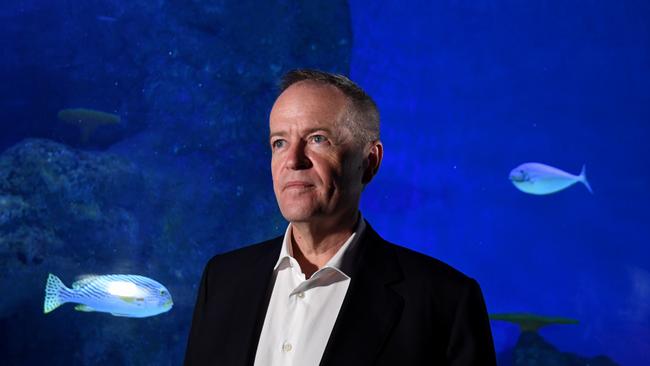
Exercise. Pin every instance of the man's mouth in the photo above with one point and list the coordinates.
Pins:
(297, 185)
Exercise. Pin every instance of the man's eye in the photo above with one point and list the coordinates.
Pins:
(277, 144)
(318, 139)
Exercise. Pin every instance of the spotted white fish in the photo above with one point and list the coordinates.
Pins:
(121, 295)
(537, 178)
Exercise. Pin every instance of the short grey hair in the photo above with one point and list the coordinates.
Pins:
(363, 116)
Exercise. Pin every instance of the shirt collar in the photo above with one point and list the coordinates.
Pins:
(286, 252)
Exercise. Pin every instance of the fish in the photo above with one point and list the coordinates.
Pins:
(540, 179)
(122, 295)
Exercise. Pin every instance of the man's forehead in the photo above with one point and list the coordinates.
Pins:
(301, 128)
(307, 107)
(309, 96)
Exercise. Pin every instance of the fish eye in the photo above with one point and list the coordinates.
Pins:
(162, 292)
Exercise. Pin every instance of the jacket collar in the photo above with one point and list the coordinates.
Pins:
(368, 313)
(341, 261)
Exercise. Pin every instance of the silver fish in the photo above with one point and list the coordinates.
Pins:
(537, 178)
(121, 295)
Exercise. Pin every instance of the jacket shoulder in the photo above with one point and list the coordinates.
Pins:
(445, 289)
(417, 265)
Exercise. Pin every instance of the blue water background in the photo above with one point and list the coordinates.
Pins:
(467, 90)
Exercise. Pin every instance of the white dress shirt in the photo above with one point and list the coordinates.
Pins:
(302, 312)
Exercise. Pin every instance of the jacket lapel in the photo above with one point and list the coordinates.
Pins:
(370, 309)
(257, 293)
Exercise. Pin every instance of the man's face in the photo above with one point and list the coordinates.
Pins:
(316, 164)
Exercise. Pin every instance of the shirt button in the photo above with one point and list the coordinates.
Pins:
(301, 294)
(286, 347)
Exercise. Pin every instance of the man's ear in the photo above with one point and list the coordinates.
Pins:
(372, 161)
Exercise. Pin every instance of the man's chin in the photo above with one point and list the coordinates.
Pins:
(295, 214)
(298, 217)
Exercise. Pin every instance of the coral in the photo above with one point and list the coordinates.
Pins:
(532, 349)
(87, 120)
(12, 208)
(531, 322)
(59, 202)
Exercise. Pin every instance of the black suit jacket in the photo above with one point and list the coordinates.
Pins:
(401, 308)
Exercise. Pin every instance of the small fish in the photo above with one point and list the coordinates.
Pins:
(537, 178)
(121, 295)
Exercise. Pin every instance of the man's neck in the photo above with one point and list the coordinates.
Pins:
(314, 244)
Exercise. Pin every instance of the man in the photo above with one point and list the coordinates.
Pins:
(331, 291)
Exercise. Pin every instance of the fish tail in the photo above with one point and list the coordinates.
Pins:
(54, 293)
(583, 178)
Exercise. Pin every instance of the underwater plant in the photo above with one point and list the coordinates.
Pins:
(87, 120)
(531, 322)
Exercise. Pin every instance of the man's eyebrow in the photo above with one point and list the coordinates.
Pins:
(277, 133)
(303, 132)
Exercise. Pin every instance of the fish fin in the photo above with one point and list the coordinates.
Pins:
(583, 178)
(82, 307)
(124, 315)
(54, 288)
(82, 281)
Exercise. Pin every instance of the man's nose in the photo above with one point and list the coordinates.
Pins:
(297, 157)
